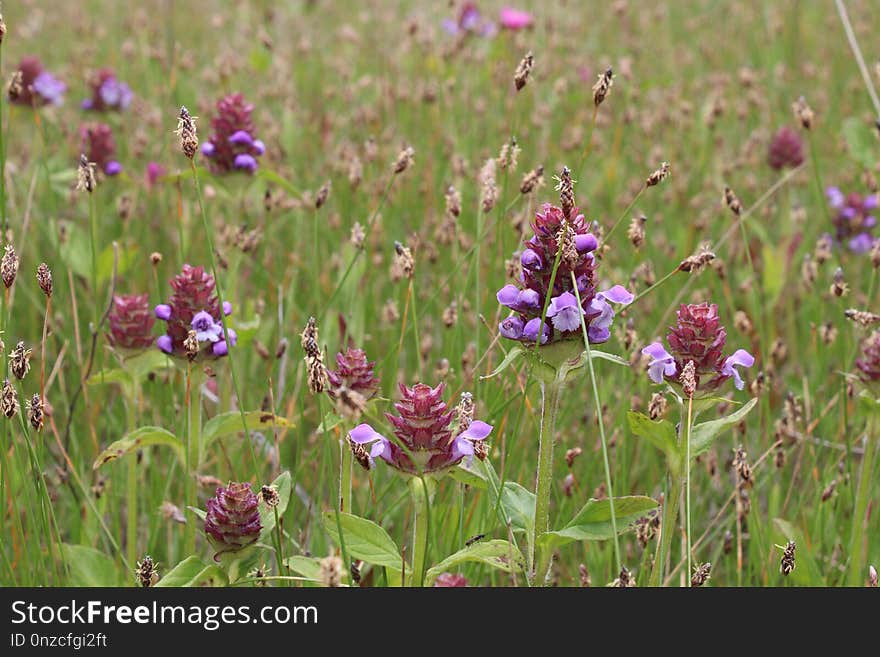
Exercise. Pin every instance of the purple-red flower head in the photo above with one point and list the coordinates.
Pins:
(131, 321)
(426, 442)
(233, 146)
(232, 521)
(108, 93)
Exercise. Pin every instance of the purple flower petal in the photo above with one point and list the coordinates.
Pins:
(507, 295)
(478, 430)
(530, 331)
(528, 299)
(220, 348)
(530, 260)
(208, 149)
(861, 243)
(227, 308)
(462, 448)
(618, 294)
(164, 343)
(511, 328)
(381, 450)
(246, 162)
(241, 138)
(835, 197)
(741, 358)
(585, 242)
(662, 363)
(363, 434)
(258, 147)
(113, 168)
(163, 312)
(565, 312)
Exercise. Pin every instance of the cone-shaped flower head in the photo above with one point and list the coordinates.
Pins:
(855, 218)
(100, 147)
(353, 374)
(526, 300)
(868, 361)
(697, 337)
(426, 440)
(469, 21)
(108, 93)
(36, 86)
(786, 149)
(131, 321)
(233, 146)
(194, 306)
(232, 521)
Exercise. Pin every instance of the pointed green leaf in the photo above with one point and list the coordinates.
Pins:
(468, 476)
(192, 571)
(90, 567)
(283, 485)
(660, 433)
(705, 433)
(306, 566)
(593, 521)
(138, 439)
(514, 504)
(512, 355)
(364, 539)
(230, 423)
(497, 553)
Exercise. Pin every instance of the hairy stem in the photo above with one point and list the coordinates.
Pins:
(540, 558)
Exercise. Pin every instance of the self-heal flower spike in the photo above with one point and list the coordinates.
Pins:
(108, 93)
(786, 149)
(868, 361)
(553, 232)
(699, 338)
(233, 146)
(131, 321)
(855, 218)
(34, 86)
(426, 442)
(100, 147)
(232, 520)
(194, 306)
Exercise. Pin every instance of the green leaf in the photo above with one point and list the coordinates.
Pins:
(364, 539)
(260, 59)
(138, 439)
(773, 274)
(306, 566)
(593, 521)
(512, 355)
(519, 506)
(705, 433)
(230, 423)
(282, 484)
(515, 505)
(90, 567)
(497, 553)
(330, 421)
(859, 141)
(192, 571)
(201, 513)
(136, 368)
(660, 433)
(469, 477)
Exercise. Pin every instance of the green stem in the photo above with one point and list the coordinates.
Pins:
(415, 324)
(131, 525)
(856, 543)
(422, 492)
(94, 253)
(667, 528)
(279, 545)
(598, 403)
(344, 476)
(623, 214)
(193, 449)
(539, 561)
(687, 482)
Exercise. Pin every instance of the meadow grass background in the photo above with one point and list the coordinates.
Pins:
(702, 85)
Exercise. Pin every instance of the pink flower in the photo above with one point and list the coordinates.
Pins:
(515, 19)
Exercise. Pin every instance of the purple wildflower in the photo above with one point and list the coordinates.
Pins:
(233, 146)
(697, 337)
(469, 21)
(38, 87)
(855, 218)
(108, 93)
(232, 520)
(425, 440)
(527, 299)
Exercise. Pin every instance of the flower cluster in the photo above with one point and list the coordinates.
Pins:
(131, 321)
(515, 19)
(194, 310)
(34, 86)
(99, 147)
(233, 146)
(786, 149)
(108, 93)
(427, 442)
(854, 219)
(470, 21)
(352, 383)
(699, 338)
(527, 299)
(232, 521)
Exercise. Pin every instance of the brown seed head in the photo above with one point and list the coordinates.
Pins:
(85, 175)
(659, 175)
(8, 399)
(532, 180)
(20, 360)
(803, 113)
(186, 130)
(9, 265)
(405, 159)
(523, 70)
(688, 379)
(603, 87)
(44, 279)
(732, 202)
(35, 412)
